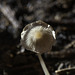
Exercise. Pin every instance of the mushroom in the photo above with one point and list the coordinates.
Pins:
(38, 37)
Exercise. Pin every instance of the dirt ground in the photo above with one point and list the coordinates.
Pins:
(15, 14)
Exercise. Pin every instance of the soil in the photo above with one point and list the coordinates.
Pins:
(15, 14)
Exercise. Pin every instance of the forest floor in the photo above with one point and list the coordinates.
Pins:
(15, 14)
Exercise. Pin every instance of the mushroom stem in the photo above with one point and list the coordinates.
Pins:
(43, 64)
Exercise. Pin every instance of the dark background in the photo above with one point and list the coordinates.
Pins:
(15, 14)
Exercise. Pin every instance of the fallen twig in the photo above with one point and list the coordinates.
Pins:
(69, 45)
(9, 14)
(62, 53)
(65, 70)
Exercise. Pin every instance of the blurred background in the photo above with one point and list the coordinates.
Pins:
(15, 14)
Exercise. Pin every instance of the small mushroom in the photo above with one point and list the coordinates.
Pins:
(38, 37)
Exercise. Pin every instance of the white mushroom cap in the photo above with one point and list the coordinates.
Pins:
(38, 37)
